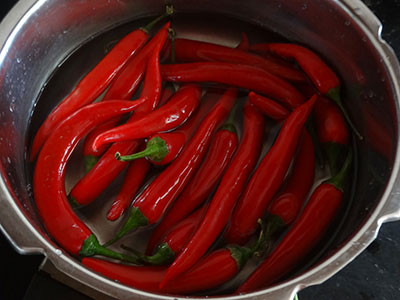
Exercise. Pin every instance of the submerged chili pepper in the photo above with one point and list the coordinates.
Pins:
(287, 204)
(222, 148)
(162, 148)
(243, 76)
(147, 59)
(95, 82)
(151, 205)
(175, 112)
(48, 180)
(332, 131)
(303, 236)
(174, 241)
(203, 276)
(269, 107)
(224, 199)
(192, 51)
(324, 79)
(259, 192)
(108, 168)
(134, 176)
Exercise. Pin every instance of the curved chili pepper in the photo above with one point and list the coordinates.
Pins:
(322, 76)
(134, 176)
(108, 168)
(151, 88)
(302, 237)
(224, 199)
(191, 51)
(243, 76)
(175, 240)
(269, 107)
(259, 192)
(151, 205)
(203, 276)
(95, 82)
(162, 148)
(244, 44)
(175, 112)
(332, 131)
(219, 155)
(48, 180)
(287, 204)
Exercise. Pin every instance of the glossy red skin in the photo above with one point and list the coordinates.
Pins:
(301, 238)
(49, 176)
(269, 107)
(259, 191)
(319, 72)
(165, 188)
(202, 277)
(91, 86)
(199, 188)
(244, 44)
(177, 139)
(107, 168)
(134, 177)
(191, 51)
(330, 123)
(181, 233)
(151, 88)
(288, 203)
(226, 196)
(243, 76)
(175, 112)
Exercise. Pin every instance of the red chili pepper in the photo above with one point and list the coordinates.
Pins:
(244, 44)
(221, 150)
(269, 107)
(48, 180)
(324, 79)
(332, 131)
(211, 271)
(134, 176)
(192, 51)
(151, 205)
(108, 168)
(95, 82)
(175, 240)
(258, 193)
(175, 112)
(287, 204)
(151, 88)
(162, 148)
(225, 197)
(306, 232)
(243, 76)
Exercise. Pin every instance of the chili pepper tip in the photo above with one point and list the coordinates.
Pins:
(334, 94)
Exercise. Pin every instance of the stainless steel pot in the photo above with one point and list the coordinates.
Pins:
(37, 36)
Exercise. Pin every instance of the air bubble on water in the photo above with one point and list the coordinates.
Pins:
(347, 23)
(304, 6)
(65, 31)
(371, 93)
(9, 160)
(364, 39)
(383, 79)
(58, 252)
(18, 60)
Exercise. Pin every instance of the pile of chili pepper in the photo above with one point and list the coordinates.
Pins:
(203, 168)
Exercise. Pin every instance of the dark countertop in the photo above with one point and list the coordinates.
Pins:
(374, 275)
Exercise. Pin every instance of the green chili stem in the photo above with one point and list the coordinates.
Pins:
(169, 10)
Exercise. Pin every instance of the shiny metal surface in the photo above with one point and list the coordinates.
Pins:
(38, 36)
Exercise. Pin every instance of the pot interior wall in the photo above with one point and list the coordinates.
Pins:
(57, 28)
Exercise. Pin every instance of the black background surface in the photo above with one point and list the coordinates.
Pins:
(374, 275)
